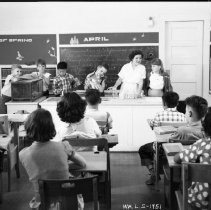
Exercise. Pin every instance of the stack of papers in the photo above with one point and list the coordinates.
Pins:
(164, 129)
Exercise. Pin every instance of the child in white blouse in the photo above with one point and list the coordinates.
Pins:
(158, 81)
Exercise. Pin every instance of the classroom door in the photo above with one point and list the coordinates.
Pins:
(184, 51)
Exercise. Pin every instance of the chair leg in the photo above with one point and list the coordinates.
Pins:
(9, 180)
(1, 187)
(17, 170)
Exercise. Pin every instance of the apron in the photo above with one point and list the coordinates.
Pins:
(128, 90)
(155, 92)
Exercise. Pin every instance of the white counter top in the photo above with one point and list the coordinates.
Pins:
(27, 102)
(115, 101)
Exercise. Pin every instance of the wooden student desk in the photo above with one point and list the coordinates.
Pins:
(172, 173)
(159, 139)
(95, 162)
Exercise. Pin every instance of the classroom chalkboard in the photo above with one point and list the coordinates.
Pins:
(83, 60)
(26, 49)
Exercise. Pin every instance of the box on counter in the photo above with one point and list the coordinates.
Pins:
(27, 89)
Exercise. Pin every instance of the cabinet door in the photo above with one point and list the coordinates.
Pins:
(122, 125)
(142, 133)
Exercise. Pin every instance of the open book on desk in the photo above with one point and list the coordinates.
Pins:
(172, 148)
(164, 129)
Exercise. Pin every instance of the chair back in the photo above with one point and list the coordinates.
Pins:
(195, 172)
(174, 124)
(65, 192)
(4, 125)
(102, 144)
(82, 142)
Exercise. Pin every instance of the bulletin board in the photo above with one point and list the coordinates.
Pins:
(26, 49)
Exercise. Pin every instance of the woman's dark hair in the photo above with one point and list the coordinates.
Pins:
(134, 53)
(71, 108)
(39, 126)
(206, 124)
(158, 62)
(198, 104)
(93, 96)
(170, 99)
(62, 65)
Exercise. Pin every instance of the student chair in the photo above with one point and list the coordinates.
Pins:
(10, 159)
(4, 125)
(2, 151)
(64, 193)
(102, 144)
(193, 172)
(19, 127)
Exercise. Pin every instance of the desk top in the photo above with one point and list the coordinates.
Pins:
(16, 117)
(170, 159)
(27, 102)
(95, 161)
(112, 138)
(163, 137)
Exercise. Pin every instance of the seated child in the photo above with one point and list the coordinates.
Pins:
(97, 79)
(169, 114)
(200, 151)
(196, 108)
(6, 92)
(46, 159)
(93, 100)
(41, 65)
(64, 82)
(71, 110)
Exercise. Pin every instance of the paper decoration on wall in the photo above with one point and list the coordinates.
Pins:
(26, 49)
(108, 38)
(19, 57)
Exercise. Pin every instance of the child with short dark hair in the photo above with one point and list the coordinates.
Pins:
(93, 99)
(6, 92)
(169, 114)
(45, 76)
(46, 159)
(196, 109)
(64, 82)
(71, 110)
(200, 151)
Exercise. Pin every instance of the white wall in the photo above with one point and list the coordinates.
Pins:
(88, 17)
(62, 17)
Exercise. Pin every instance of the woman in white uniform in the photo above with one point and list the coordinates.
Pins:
(131, 77)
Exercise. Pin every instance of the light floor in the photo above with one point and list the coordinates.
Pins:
(128, 187)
